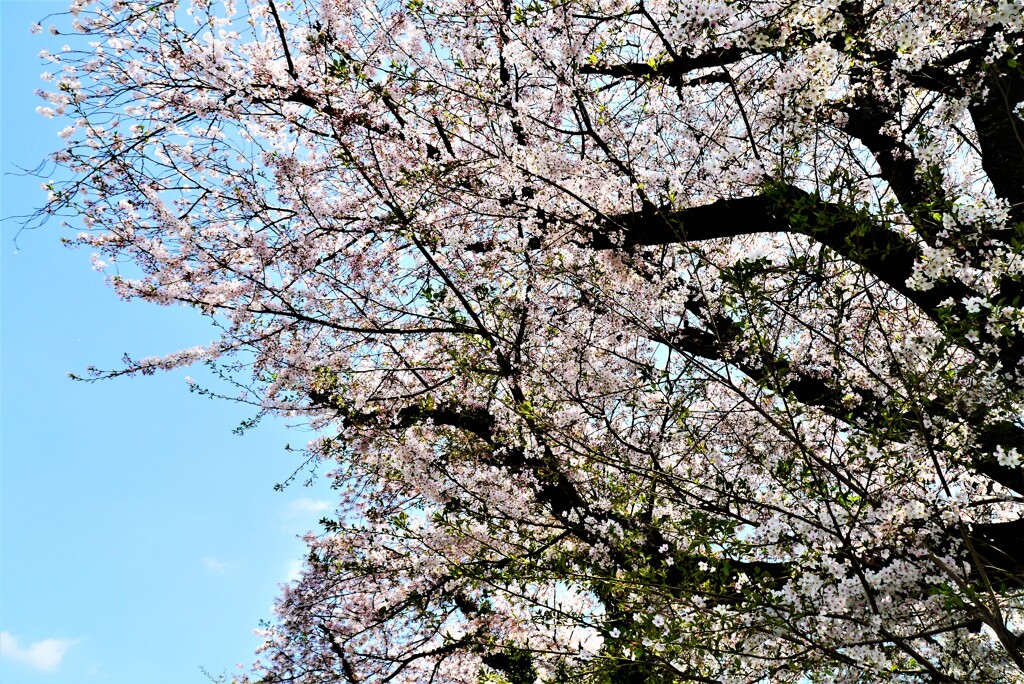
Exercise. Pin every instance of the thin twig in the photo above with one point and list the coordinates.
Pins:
(284, 41)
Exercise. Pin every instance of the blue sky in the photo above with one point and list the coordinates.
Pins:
(140, 540)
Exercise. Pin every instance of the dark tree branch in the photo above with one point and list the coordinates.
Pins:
(869, 408)
(778, 373)
(1000, 133)
(284, 39)
(867, 117)
(671, 70)
(854, 235)
(999, 545)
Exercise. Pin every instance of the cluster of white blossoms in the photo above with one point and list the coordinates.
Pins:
(1009, 458)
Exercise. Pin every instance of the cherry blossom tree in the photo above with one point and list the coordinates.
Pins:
(646, 340)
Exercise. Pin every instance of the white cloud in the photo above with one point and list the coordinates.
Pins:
(214, 565)
(44, 655)
(293, 571)
(306, 506)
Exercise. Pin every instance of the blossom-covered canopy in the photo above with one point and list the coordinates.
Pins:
(648, 340)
